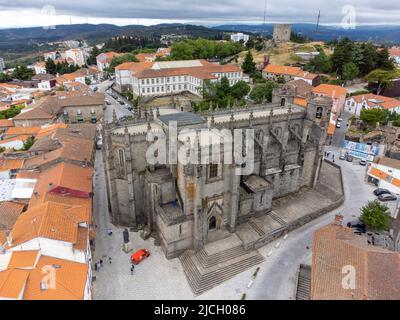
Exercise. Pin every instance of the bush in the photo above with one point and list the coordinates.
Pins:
(11, 112)
(376, 216)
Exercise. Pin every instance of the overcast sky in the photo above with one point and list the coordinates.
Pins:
(50, 12)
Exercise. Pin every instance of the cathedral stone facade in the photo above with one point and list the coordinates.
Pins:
(189, 205)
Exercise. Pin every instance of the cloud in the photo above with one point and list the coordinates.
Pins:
(213, 11)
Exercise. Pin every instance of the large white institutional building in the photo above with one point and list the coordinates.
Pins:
(169, 77)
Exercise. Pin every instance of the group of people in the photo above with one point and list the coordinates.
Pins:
(99, 264)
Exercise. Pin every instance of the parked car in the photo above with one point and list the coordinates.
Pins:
(349, 158)
(338, 125)
(121, 103)
(139, 256)
(342, 157)
(357, 225)
(108, 102)
(381, 191)
(387, 197)
(339, 119)
(363, 162)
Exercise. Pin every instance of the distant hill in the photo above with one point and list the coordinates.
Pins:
(28, 39)
(378, 34)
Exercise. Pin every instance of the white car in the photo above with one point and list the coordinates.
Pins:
(340, 119)
(338, 125)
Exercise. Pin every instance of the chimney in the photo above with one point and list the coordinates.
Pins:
(9, 237)
(338, 220)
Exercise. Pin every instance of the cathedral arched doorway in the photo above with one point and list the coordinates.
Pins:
(212, 224)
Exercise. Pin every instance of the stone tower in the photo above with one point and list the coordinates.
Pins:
(282, 32)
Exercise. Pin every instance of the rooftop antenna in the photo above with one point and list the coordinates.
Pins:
(319, 17)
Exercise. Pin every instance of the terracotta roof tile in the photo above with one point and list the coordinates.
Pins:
(16, 131)
(71, 278)
(5, 123)
(10, 164)
(330, 90)
(49, 220)
(9, 213)
(377, 271)
(282, 70)
(23, 259)
(12, 283)
(67, 176)
(80, 207)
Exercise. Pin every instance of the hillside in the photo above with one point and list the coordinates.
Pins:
(21, 42)
(379, 34)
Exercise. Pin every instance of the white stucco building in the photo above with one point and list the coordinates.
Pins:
(162, 78)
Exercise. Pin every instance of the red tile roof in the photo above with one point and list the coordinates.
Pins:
(377, 271)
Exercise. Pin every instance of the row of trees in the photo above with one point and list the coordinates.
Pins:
(203, 49)
(350, 60)
(129, 44)
(60, 67)
(21, 72)
(382, 116)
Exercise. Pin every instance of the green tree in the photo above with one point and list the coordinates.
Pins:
(28, 143)
(4, 77)
(376, 216)
(22, 72)
(342, 54)
(249, 66)
(88, 81)
(240, 89)
(93, 55)
(128, 57)
(350, 71)
(263, 91)
(373, 116)
(384, 61)
(383, 78)
(51, 67)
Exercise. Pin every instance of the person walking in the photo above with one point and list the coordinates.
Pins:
(132, 268)
(101, 263)
(95, 267)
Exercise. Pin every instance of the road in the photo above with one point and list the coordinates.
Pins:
(340, 133)
(121, 111)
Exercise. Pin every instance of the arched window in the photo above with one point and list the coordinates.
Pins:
(121, 157)
(319, 113)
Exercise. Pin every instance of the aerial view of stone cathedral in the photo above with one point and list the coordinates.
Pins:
(190, 205)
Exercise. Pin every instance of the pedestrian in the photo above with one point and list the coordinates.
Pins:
(101, 263)
(95, 267)
(109, 260)
(132, 268)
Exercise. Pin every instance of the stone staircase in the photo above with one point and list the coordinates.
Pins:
(303, 289)
(205, 271)
(278, 219)
(256, 228)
